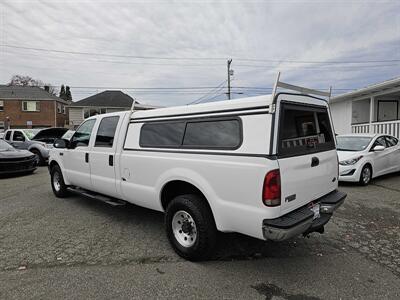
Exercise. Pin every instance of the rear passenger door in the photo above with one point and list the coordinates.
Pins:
(394, 153)
(381, 158)
(102, 157)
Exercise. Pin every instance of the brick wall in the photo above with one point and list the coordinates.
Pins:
(42, 118)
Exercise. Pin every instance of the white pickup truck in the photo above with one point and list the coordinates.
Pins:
(263, 166)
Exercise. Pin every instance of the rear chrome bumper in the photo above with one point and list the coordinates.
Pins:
(301, 221)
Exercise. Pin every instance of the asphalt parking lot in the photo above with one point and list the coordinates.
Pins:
(79, 248)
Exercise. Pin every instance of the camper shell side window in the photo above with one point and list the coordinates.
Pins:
(201, 133)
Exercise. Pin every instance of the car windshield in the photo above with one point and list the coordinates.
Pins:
(4, 146)
(352, 143)
(30, 133)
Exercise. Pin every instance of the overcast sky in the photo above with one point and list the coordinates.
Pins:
(170, 44)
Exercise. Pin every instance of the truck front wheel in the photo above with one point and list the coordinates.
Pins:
(57, 182)
(190, 227)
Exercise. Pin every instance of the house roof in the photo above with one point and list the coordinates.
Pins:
(27, 93)
(106, 99)
(388, 86)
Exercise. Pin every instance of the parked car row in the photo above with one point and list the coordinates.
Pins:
(37, 141)
(362, 157)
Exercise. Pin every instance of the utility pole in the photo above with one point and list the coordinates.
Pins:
(230, 73)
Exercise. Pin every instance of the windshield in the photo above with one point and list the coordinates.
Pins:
(4, 146)
(352, 143)
(30, 133)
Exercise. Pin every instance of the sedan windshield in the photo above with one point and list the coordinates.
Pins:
(4, 146)
(352, 143)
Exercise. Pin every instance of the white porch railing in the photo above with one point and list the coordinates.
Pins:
(389, 127)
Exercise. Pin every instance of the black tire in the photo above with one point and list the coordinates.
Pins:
(56, 176)
(366, 175)
(41, 160)
(205, 230)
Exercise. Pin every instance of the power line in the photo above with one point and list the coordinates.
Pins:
(179, 88)
(208, 65)
(213, 90)
(203, 58)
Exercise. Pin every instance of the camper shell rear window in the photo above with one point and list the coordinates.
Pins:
(304, 129)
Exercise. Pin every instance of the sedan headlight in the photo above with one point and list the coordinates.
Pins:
(350, 161)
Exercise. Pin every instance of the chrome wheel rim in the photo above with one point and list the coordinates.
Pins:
(56, 181)
(366, 175)
(184, 228)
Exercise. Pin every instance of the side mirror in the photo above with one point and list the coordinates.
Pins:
(61, 143)
(378, 148)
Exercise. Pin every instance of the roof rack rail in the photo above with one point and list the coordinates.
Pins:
(299, 89)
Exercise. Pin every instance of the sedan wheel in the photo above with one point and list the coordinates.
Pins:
(366, 174)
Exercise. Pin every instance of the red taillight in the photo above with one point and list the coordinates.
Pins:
(272, 188)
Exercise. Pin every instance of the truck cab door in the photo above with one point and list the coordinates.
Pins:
(102, 156)
(76, 159)
(19, 140)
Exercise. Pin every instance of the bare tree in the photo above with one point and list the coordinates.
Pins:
(21, 80)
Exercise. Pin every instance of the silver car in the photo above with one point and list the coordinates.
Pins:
(38, 141)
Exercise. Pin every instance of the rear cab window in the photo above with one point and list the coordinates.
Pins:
(304, 129)
(106, 132)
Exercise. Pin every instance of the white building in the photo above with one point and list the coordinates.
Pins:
(373, 109)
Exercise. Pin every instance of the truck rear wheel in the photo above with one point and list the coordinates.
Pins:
(57, 182)
(190, 227)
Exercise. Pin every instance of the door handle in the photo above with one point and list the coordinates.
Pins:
(110, 160)
(314, 161)
(87, 157)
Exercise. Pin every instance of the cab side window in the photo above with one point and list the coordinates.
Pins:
(81, 137)
(8, 136)
(106, 132)
(18, 136)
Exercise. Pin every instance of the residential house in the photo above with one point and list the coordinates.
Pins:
(373, 109)
(29, 107)
(104, 102)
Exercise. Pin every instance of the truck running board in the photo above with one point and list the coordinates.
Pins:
(96, 196)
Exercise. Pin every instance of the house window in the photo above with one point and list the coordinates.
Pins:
(63, 109)
(1, 105)
(388, 110)
(88, 112)
(30, 106)
(59, 108)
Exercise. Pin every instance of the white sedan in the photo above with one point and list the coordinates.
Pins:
(366, 156)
